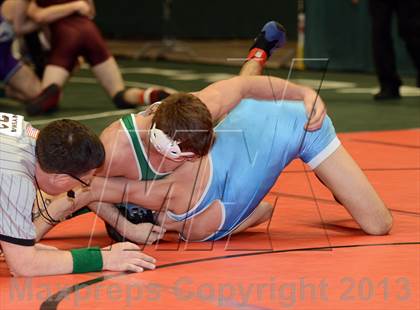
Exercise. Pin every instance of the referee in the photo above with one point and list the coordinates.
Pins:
(54, 160)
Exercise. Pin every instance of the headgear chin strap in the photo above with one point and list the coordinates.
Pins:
(165, 145)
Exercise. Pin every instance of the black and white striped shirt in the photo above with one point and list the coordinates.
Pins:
(17, 170)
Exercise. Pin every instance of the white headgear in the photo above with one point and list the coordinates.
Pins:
(165, 145)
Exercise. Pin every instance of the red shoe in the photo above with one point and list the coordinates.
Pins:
(45, 102)
(152, 95)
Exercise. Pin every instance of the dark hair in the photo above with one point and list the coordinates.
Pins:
(67, 146)
(185, 118)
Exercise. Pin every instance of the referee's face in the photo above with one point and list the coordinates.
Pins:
(54, 183)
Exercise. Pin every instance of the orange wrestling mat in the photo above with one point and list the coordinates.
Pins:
(310, 256)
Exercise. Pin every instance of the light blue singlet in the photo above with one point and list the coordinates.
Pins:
(254, 143)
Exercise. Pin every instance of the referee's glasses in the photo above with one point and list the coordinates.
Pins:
(80, 180)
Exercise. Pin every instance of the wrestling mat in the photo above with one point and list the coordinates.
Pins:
(310, 256)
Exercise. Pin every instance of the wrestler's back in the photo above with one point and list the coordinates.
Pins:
(254, 143)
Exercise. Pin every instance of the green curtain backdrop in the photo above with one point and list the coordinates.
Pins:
(194, 19)
(339, 30)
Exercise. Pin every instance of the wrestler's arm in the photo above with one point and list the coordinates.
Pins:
(31, 261)
(144, 233)
(60, 207)
(92, 8)
(55, 12)
(148, 194)
(15, 12)
(343, 176)
(28, 261)
(221, 97)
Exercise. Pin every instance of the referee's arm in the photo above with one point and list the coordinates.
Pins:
(27, 261)
(17, 233)
(58, 208)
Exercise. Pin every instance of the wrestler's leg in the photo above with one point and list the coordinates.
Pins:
(23, 84)
(271, 37)
(109, 76)
(346, 180)
(205, 224)
(55, 75)
(208, 222)
(47, 99)
(261, 214)
(198, 227)
(10, 92)
(65, 46)
(252, 67)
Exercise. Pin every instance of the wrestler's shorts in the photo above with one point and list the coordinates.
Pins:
(76, 36)
(9, 65)
(319, 145)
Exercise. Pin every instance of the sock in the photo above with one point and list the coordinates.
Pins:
(258, 54)
(142, 97)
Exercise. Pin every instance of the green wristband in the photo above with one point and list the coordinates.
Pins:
(87, 260)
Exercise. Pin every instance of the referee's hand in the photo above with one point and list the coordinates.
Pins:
(126, 256)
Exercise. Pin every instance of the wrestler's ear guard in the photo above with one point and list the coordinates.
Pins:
(165, 145)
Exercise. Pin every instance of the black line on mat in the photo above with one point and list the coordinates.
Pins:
(51, 303)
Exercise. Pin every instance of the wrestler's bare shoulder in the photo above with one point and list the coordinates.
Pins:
(115, 143)
(209, 95)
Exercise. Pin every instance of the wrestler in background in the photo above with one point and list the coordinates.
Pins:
(20, 81)
(73, 33)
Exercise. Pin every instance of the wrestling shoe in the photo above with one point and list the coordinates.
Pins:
(46, 102)
(134, 214)
(271, 37)
(387, 94)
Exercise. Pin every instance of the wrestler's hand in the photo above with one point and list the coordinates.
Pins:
(126, 256)
(83, 8)
(144, 233)
(316, 111)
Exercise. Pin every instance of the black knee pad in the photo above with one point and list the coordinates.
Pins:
(134, 214)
